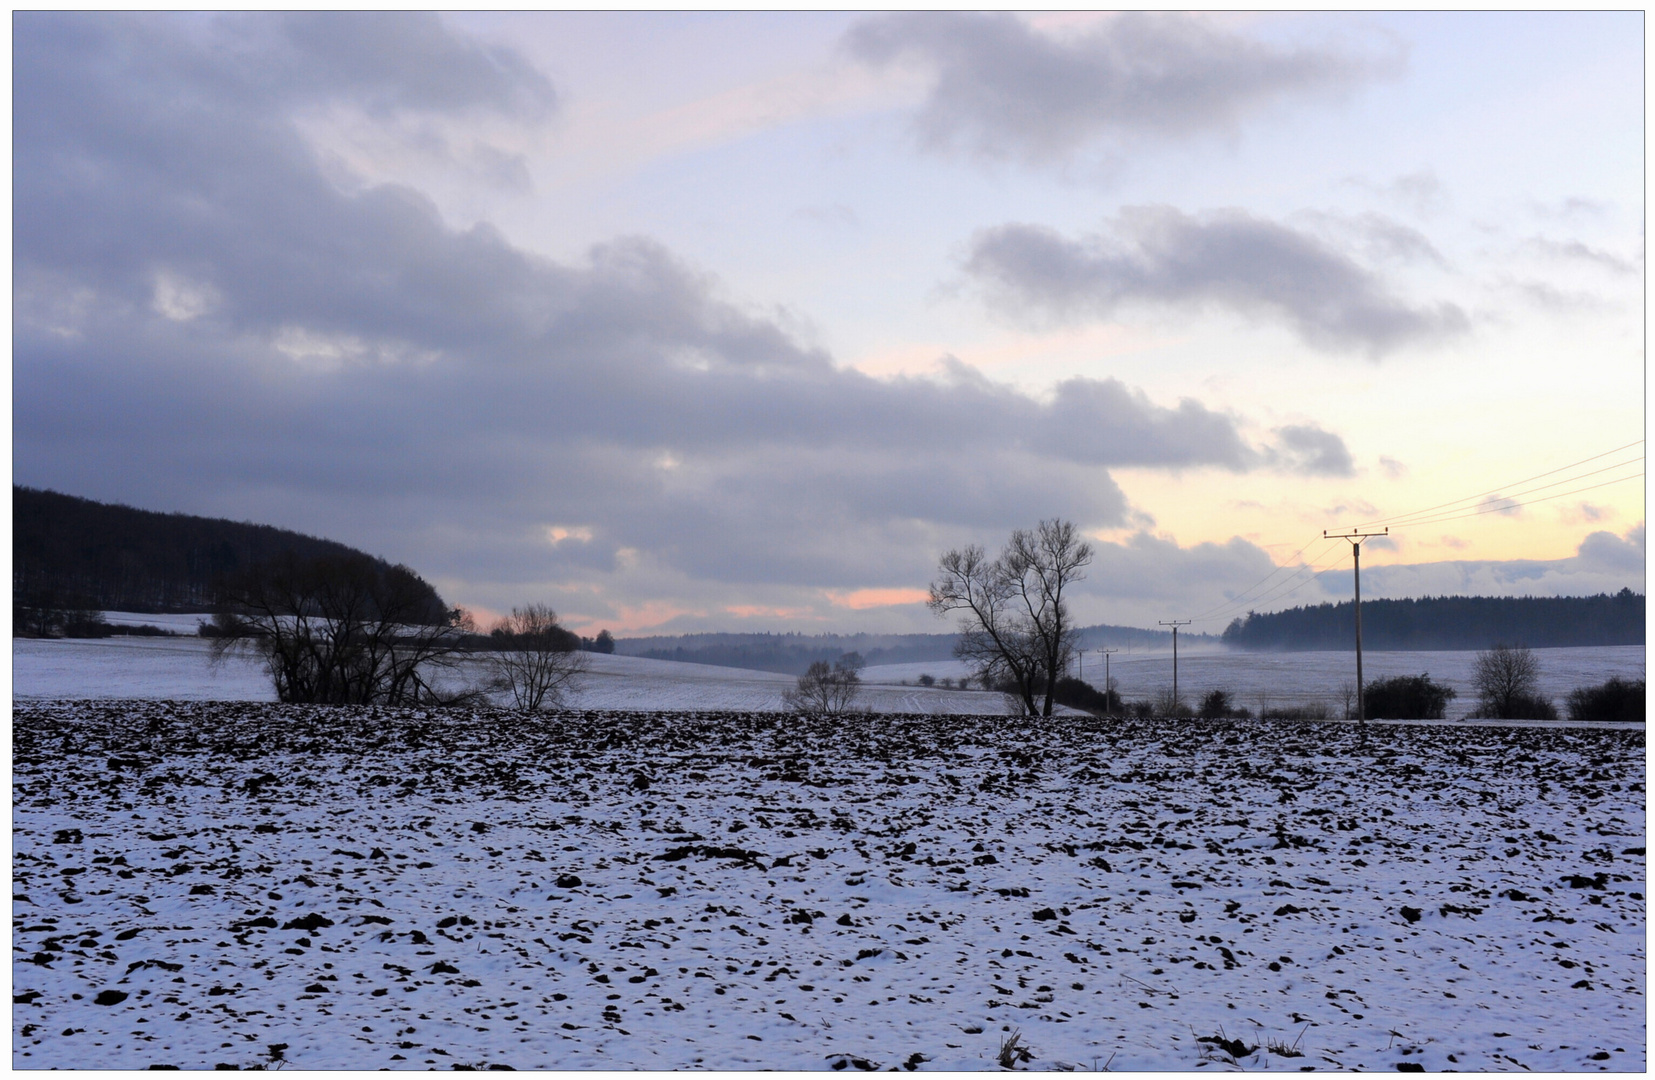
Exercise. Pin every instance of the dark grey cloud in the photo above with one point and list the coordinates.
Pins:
(205, 322)
(1159, 256)
(1003, 89)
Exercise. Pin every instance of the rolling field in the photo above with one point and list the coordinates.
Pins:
(241, 884)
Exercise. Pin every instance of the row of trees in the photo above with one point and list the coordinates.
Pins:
(352, 630)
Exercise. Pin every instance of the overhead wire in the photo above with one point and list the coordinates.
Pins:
(1531, 502)
(1413, 519)
(1453, 510)
(1239, 598)
(1495, 491)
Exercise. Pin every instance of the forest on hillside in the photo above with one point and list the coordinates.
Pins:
(1449, 622)
(74, 552)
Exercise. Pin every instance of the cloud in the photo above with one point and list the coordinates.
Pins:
(205, 321)
(1004, 90)
(384, 62)
(1421, 192)
(1310, 451)
(1577, 252)
(1603, 563)
(1158, 256)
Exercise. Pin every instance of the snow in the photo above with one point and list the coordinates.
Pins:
(178, 669)
(132, 667)
(1306, 678)
(186, 624)
(757, 891)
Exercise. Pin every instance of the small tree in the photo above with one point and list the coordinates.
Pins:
(1016, 630)
(604, 642)
(824, 690)
(1507, 678)
(537, 661)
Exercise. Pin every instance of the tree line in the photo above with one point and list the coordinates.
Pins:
(71, 554)
(1448, 622)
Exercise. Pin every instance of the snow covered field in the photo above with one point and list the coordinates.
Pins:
(1304, 678)
(199, 884)
(177, 669)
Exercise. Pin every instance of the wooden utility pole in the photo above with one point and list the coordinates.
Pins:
(1107, 653)
(1175, 624)
(1356, 539)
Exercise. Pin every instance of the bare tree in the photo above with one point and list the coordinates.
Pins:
(825, 690)
(339, 630)
(1016, 630)
(1507, 679)
(537, 661)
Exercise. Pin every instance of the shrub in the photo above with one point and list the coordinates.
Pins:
(1083, 695)
(1407, 697)
(1314, 711)
(927, 680)
(1516, 707)
(1167, 705)
(1216, 705)
(825, 691)
(1617, 700)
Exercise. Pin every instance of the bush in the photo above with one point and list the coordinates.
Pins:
(1083, 695)
(1216, 705)
(1315, 711)
(927, 680)
(1617, 701)
(824, 691)
(1407, 697)
(1516, 707)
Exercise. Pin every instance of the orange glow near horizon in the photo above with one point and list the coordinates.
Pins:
(862, 599)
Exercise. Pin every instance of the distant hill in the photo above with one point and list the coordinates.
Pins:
(1449, 622)
(74, 551)
(791, 654)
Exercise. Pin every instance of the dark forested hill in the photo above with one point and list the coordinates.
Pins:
(76, 552)
(1450, 622)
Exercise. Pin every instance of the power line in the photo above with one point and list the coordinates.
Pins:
(1240, 598)
(1496, 491)
(1531, 502)
(1409, 519)
(1243, 600)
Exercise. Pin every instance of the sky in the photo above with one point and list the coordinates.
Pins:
(684, 322)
